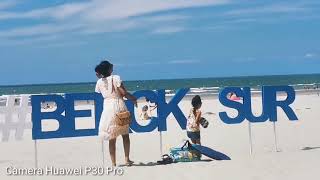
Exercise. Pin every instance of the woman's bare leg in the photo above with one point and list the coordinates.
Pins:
(126, 146)
(112, 151)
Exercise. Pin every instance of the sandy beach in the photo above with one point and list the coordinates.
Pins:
(298, 153)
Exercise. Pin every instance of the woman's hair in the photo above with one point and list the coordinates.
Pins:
(104, 68)
(196, 101)
(97, 69)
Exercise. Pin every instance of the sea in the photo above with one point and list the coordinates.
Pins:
(206, 86)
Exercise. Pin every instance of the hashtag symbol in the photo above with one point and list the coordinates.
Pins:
(9, 123)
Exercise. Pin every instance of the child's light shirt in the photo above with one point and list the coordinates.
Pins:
(192, 126)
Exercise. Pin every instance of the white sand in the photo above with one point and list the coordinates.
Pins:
(292, 162)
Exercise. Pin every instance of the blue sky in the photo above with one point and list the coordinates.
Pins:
(60, 41)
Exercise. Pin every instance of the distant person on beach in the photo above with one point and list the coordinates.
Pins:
(233, 97)
(113, 91)
(151, 105)
(145, 113)
(193, 122)
(46, 106)
(16, 102)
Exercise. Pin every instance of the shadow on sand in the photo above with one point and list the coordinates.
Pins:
(309, 148)
(149, 164)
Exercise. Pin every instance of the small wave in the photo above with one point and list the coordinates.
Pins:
(197, 91)
(304, 84)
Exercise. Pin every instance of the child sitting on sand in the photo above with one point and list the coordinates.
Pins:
(193, 122)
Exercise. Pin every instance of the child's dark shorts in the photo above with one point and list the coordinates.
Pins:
(193, 135)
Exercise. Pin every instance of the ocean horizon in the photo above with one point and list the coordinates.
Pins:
(197, 85)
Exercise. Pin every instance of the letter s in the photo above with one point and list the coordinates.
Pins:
(232, 104)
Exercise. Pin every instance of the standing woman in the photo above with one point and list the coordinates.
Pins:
(113, 91)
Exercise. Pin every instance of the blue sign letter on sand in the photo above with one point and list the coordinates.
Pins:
(71, 115)
(248, 107)
(271, 103)
(232, 104)
(38, 116)
(154, 121)
(164, 109)
(67, 122)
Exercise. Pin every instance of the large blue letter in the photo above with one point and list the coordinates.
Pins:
(71, 115)
(67, 122)
(271, 103)
(248, 107)
(154, 121)
(232, 104)
(98, 105)
(38, 116)
(164, 109)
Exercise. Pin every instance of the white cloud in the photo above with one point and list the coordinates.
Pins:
(184, 62)
(274, 8)
(310, 55)
(111, 26)
(56, 12)
(38, 30)
(151, 63)
(27, 41)
(100, 10)
(100, 16)
(168, 30)
(245, 60)
(161, 18)
(4, 4)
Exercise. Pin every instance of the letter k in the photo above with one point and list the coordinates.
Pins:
(164, 109)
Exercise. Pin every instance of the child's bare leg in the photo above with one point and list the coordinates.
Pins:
(199, 142)
(194, 141)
